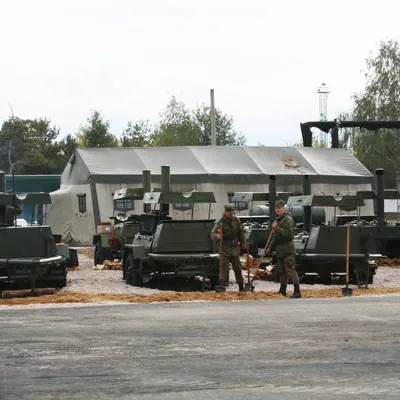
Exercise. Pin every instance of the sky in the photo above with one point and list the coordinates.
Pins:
(125, 58)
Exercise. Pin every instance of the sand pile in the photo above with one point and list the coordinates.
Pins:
(79, 297)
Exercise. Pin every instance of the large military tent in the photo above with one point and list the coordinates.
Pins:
(92, 175)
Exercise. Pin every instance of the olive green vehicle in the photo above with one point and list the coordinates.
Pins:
(321, 250)
(169, 247)
(111, 237)
(29, 257)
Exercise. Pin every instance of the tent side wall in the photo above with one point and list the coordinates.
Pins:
(72, 214)
(221, 196)
(200, 210)
(77, 228)
(332, 189)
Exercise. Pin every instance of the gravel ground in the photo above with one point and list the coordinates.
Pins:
(98, 281)
(95, 281)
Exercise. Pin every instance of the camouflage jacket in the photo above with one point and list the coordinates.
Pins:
(232, 231)
(282, 238)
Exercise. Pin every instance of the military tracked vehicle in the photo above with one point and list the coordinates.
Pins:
(29, 257)
(171, 248)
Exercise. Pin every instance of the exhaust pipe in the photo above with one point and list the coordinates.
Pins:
(165, 186)
(272, 197)
(307, 210)
(3, 216)
(2, 182)
(146, 183)
(380, 197)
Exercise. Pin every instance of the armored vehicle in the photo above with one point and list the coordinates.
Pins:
(29, 257)
(169, 247)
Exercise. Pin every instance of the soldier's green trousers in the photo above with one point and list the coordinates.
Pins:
(287, 270)
(237, 269)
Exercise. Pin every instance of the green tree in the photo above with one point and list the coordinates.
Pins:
(224, 124)
(292, 144)
(380, 101)
(42, 154)
(345, 134)
(66, 148)
(176, 127)
(137, 134)
(96, 132)
(28, 146)
(12, 143)
(316, 142)
(180, 126)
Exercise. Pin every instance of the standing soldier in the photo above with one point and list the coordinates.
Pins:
(282, 242)
(231, 235)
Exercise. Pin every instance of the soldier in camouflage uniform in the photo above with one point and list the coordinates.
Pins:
(282, 243)
(232, 235)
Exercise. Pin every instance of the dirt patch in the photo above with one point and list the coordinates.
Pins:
(389, 262)
(79, 297)
(86, 251)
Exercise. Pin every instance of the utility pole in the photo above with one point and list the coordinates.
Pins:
(212, 116)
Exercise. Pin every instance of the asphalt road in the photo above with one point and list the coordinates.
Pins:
(338, 349)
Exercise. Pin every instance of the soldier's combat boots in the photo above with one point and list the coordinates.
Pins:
(296, 294)
(240, 286)
(282, 289)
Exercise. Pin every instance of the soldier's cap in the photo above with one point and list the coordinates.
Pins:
(279, 203)
(230, 208)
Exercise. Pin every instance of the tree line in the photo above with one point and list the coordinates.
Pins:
(32, 146)
(378, 101)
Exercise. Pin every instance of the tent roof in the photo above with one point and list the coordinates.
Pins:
(209, 164)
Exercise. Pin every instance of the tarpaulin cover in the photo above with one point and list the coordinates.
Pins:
(209, 163)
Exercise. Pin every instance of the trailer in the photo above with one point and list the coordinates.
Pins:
(171, 248)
